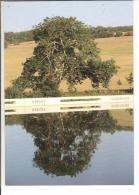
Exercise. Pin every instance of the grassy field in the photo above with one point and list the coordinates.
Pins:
(118, 48)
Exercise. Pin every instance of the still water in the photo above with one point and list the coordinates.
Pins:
(77, 148)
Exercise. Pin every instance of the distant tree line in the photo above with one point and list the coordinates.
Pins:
(97, 32)
(103, 32)
(17, 37)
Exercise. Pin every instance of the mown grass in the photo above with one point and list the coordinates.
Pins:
(15, 55)
(118, 48)
(121, 50)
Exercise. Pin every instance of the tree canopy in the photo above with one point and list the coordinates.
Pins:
(65, 51)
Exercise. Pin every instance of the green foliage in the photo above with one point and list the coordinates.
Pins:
(100, 72)
(13, 92)
(102, 32)
(18, 37)
(65, 51)
(119, 82)
(123, 28)
(130, 79)
(130, 111)
(118, 34)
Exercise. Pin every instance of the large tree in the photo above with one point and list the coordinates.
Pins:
(65, 51)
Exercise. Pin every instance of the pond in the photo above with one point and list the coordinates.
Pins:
(75, 148)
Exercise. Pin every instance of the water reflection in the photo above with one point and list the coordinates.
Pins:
(66, 141)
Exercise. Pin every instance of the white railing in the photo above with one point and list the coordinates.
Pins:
(67, 104)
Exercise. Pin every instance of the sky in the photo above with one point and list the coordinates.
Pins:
(21, 16)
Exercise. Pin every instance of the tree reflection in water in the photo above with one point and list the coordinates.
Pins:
(67, 141)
